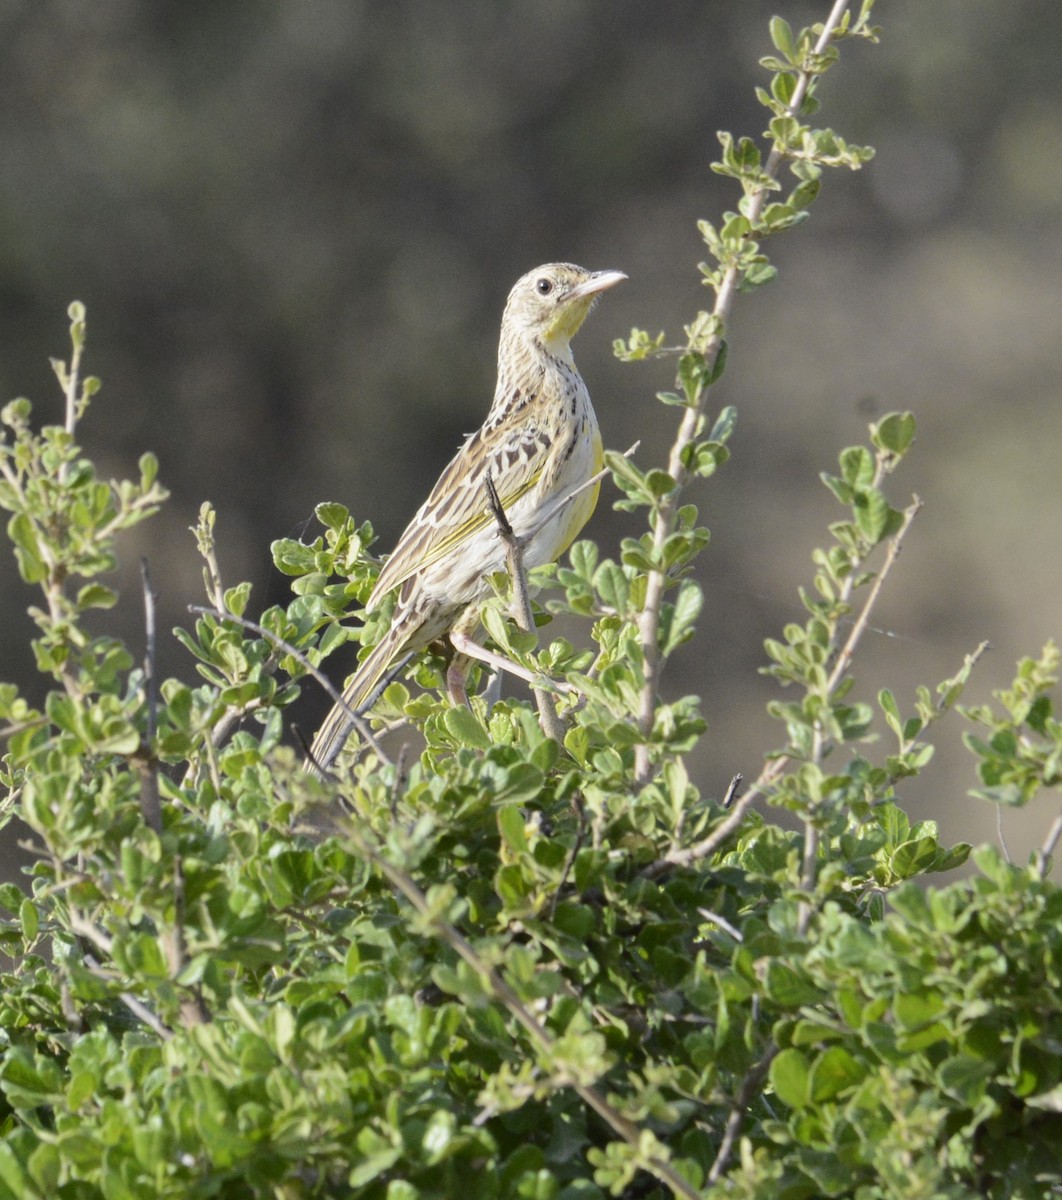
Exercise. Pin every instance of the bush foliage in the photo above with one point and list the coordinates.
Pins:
(503, 966)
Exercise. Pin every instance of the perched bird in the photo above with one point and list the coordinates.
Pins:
(539, 442)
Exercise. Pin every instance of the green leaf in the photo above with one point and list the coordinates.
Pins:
(894, 432)
(782, 37)
(95, 595)
(857, 467)
(788, 988)
(759, 273)
(29, 920)
(677, 625)
(966, 1078)
(833, 1072)
(149, 469)
(293, 558)
(236, 598)
(612, 586)
(672, 398)
(872, 515)
(790, 1076)
(887, 704)
(512, 827)
(23, 532)
(465, 728)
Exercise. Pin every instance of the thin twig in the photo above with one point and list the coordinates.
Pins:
(750, 1086)
(150, 799)
(85, 928)
(1001, 834)
(847, 651)
(809, 871)
(522, 614)
(776, 767)
(215, 589)
(707, 846)
(68, 378)
(150, 678)
(401, 778)
(70, 391)
(810, 858)
(193, 1009)
(356, 720)
(723, 924)
(1043, 855)
(8, 731)
(470, 648)
(569, 863)
(137, 1007)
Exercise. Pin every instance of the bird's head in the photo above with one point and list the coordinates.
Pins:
(549, 304)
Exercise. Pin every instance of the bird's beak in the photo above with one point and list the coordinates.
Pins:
(598, 282)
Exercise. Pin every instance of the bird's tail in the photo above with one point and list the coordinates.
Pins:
(337, 726)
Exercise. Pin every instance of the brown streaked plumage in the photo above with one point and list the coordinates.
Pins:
(539, 442)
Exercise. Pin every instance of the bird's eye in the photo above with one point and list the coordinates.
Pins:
(544, 286)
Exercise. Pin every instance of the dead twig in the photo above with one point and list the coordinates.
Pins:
(522, 614)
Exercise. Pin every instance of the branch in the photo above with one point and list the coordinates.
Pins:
(84, 928)
(664, 522)
(709, 845)
(522, 614)
(750, 1085)
(847, 651)
(810, 859)
(150, 800)
(1043, 855)
(9, 731)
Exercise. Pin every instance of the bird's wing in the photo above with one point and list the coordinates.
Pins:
(459, 506)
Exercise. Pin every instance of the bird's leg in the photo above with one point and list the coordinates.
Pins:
(460, 664)
(457, 676)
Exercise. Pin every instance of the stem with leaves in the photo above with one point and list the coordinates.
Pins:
(804, 57)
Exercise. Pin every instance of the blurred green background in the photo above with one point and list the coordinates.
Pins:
(295, 225)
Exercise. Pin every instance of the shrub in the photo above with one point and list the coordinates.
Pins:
(510, 966)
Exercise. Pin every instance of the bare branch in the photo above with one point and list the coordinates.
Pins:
(847, 651)
(137, 1007)
(750, 1086)
(150, 799)
(1043, 855)
(522, 614)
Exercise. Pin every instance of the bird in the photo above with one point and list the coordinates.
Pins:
(539, 443)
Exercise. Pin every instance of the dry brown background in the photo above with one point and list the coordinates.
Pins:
(294, 226)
